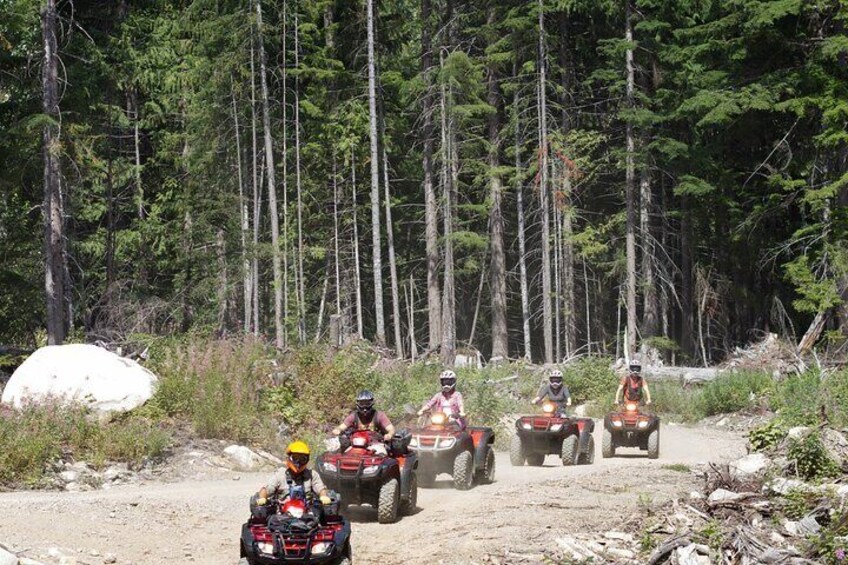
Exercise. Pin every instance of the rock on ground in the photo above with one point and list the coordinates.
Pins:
(750, 467)
(81, 373)
(245, 458)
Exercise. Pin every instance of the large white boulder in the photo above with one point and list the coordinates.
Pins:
(7, 557)
(82, 373)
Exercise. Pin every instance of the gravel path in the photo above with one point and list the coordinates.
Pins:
(522, 512)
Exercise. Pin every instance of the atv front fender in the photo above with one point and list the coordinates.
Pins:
(587, 428)
(409, 467)
(485, 441)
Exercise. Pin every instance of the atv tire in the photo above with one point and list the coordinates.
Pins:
(588, 457)
(607, 446)
(408, 504)
(536, 459)
(654, 444)
(344, 561)
(570, 450)
(463, 471)
(488, 475)
(516, 451)
(389, 502)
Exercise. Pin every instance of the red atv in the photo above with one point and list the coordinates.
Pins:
(444, 446)
(552, 432)
(367, 470)
(631, 427)
(295, 530)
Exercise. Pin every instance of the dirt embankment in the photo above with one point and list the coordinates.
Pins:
(521, 515)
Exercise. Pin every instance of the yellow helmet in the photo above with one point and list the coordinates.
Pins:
(297, 447)
(298, 456)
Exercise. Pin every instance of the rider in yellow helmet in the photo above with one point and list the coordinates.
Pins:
(295, 473)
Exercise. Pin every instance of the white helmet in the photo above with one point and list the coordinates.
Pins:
(448, 381)
(555, 378)
(635, 365)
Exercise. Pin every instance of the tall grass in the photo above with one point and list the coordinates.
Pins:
(34, 437)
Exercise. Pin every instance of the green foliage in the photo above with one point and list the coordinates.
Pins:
(35, 437)
(830, 546)
(213, 385)
(767, 436)
(590, 379)
(797, 399)
(733, 392)
(810, 458)
(678, 467)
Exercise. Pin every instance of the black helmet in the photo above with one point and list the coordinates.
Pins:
(365, 404)
(448, 381)
(555, 379)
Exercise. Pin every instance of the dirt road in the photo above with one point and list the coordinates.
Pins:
(524, 511)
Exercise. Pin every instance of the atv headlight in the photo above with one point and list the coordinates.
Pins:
(643, 424)
(556, 427)
(616, 423)
(322, 548)
(413, 442)
(265, 547)
(526, 425)
(447, 443)
(370, 470)
(330, 467)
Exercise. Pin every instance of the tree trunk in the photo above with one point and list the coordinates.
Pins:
(54, 272)
(256, 185)
(500, 336)
(336, 234)
(279, 331)
(223, 282)
(284, 110)
(139, 188)
(410, 309)
(477, 307)
(650, 318)
(522, 247)
(448, 350)
(376, 239)
(687, 295)
(390, 239)
(301, 293)
(547, 319)
(358, 269)
(431, 213)
(245, 223)
(630, 191)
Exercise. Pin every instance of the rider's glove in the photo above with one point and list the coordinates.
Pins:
(261, 501)
(325, 500)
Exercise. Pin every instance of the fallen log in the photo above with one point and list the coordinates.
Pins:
(683, 375)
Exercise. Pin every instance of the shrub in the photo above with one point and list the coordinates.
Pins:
(591, 379)
(767, 436)
(36, 436)
(733, 392)
(214, 386)
(811, 459)
(797, 399)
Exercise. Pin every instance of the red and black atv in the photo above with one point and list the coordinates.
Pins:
(295, 530)
(366, 470)
(444, 446)
(552, 432)
(630, 427)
